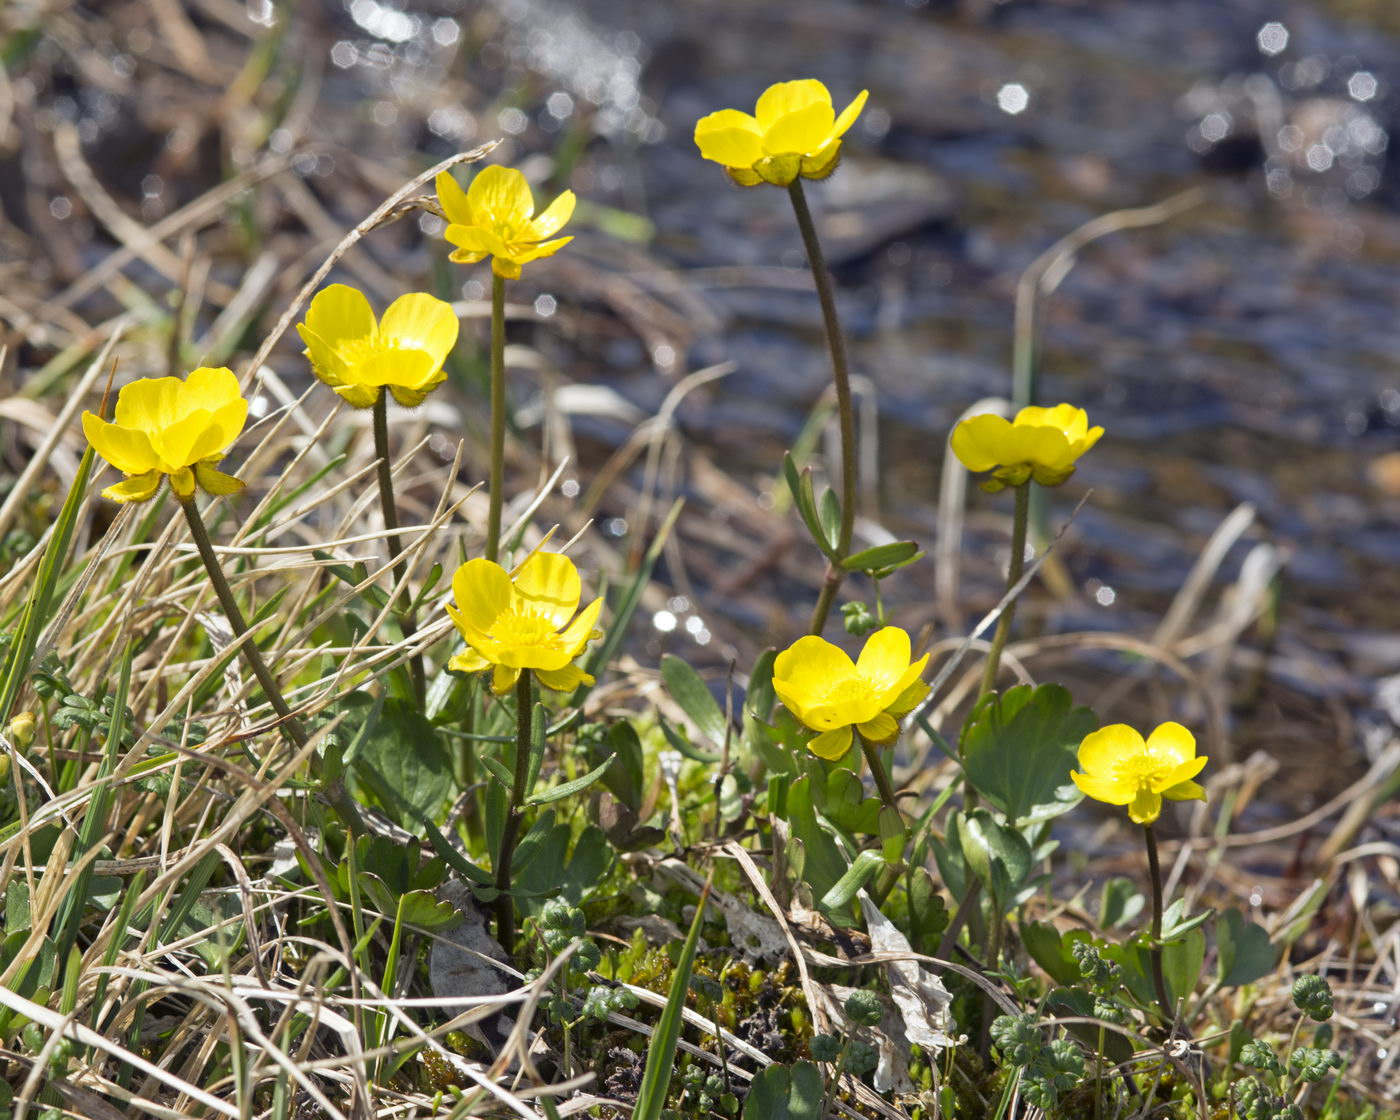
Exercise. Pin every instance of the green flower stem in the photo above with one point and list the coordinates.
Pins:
(836, 344)
(408, 624)
(1020, 519)
(334, 792)
(1154, 867)
(498, 415)
(505, 905)
(877, 767)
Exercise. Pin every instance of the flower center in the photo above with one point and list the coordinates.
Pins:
(852, 690)
(523, 628)
(1144, 771)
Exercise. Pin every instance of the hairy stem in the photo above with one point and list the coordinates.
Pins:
(1020, 519)
(498, 415)
(836, 344)
(334, 792)
(1154, 868)
(524, 715)
(408, 624)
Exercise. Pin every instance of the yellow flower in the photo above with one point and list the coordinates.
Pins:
(795, 131)
(826, 691)
(522, 621)
(1042, 443)
(1121, 769)
(495, 217)
(166, 426)
(359, 358)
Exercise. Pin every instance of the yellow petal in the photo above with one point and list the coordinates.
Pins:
(885, 658)
(1145, 807)
(1185, 791)
(1043, 446)
(341, 314)
(552, 219)
(126, 449)
(503, 678)
(803, 131)
(483, 593)
(849, 114)
(394, 367)
(795, 702)
(185, 442)
(1105, 789)
(729, 137)
(138, 488)
(420, 322)
(1101, 750)
(1074, 422)
(326, 363)
(1182, 774)
(979, 442)
(549, 584)
(810, 666)
(453, 199)
(563, 680)
(500, 196)
(209, 388)
(1171, 740)
(228, 421)
(474, 239)
(583, 629)
(881, 729)
(831, 745)
(910, 698)
(149, 403)
(519, 254)
(1091, 437)
(779, 100)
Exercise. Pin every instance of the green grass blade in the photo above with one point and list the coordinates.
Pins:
(42, 595)
(70, 915)
(661, 1054)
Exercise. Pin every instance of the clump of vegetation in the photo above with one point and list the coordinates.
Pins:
(340, 791)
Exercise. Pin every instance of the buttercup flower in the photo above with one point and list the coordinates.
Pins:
(1121, 769)
(495, 217)
(1041, 443)
(522, 621)
(359, 358)
(169, 427)
(821, 686)
(795, 131)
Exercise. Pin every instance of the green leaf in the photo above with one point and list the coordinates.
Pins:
(785, 1093)
(623, 781)
(404, 764)
(1176, 924)
(661, 1053)
(1245, 952)
(846, 805)
(823, 864)
(760, 698)
(697, 702)
(591, 860)
(680, 741)
(1019, 747)
(928, 912)
(831, 520)
(894, 554)
(1119, 902)
(804, 498)
(1051, 950)
(566, 789)
(1182, 961)
(996, 853)
(857, 875)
